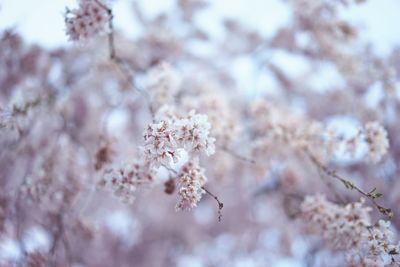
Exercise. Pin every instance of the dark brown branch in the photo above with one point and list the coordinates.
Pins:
(110, 28)
(220, 204)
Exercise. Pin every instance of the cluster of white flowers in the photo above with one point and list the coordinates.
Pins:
(379, 240)
(372, 135)
(377, 139)
(193, 134)
(224, 121)
(278, 123)
(168, 112)
(164, 139)
(365, 262)
(273, 123)
(342, 226)
(162, 82)
(160, 147)
(349, 227)
(90, 19)
(125, 180)
(191, 179)
(266, 115)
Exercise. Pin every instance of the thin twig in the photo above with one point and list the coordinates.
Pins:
(111, 45)
(110, 28)
(220, 204)
(330, 186)
(121, 63)
(237, 156)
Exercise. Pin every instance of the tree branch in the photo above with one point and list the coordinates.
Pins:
(220, 204)
(371, 195)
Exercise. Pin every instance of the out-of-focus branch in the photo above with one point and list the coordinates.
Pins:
(331, 187)
(122, 63)
(236, 155)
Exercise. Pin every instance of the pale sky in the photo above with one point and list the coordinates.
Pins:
(42, 22)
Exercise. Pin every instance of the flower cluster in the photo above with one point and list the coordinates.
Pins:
(191, 180)
(216, 106)
(162, 83)
(160, 146)
(377, 139)
(164, 139)
(349, 227)
(343, 226)
(193, 134)
(379, 240)
(354, 262)
(273, 123)
(125, 180)
(88, 20)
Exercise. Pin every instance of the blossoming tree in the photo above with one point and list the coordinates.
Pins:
(144, 152)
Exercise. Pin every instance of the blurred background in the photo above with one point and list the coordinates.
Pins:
(42, 22)
(258, 228)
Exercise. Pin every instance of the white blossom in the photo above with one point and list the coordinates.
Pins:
(193, 134)
(342, 226)
(160, 146)
(162, 83)
(377, 139)
(125, 180)
(379, 238)
(165, 139)
(88, 20)
(349, 228)
(191, 179)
